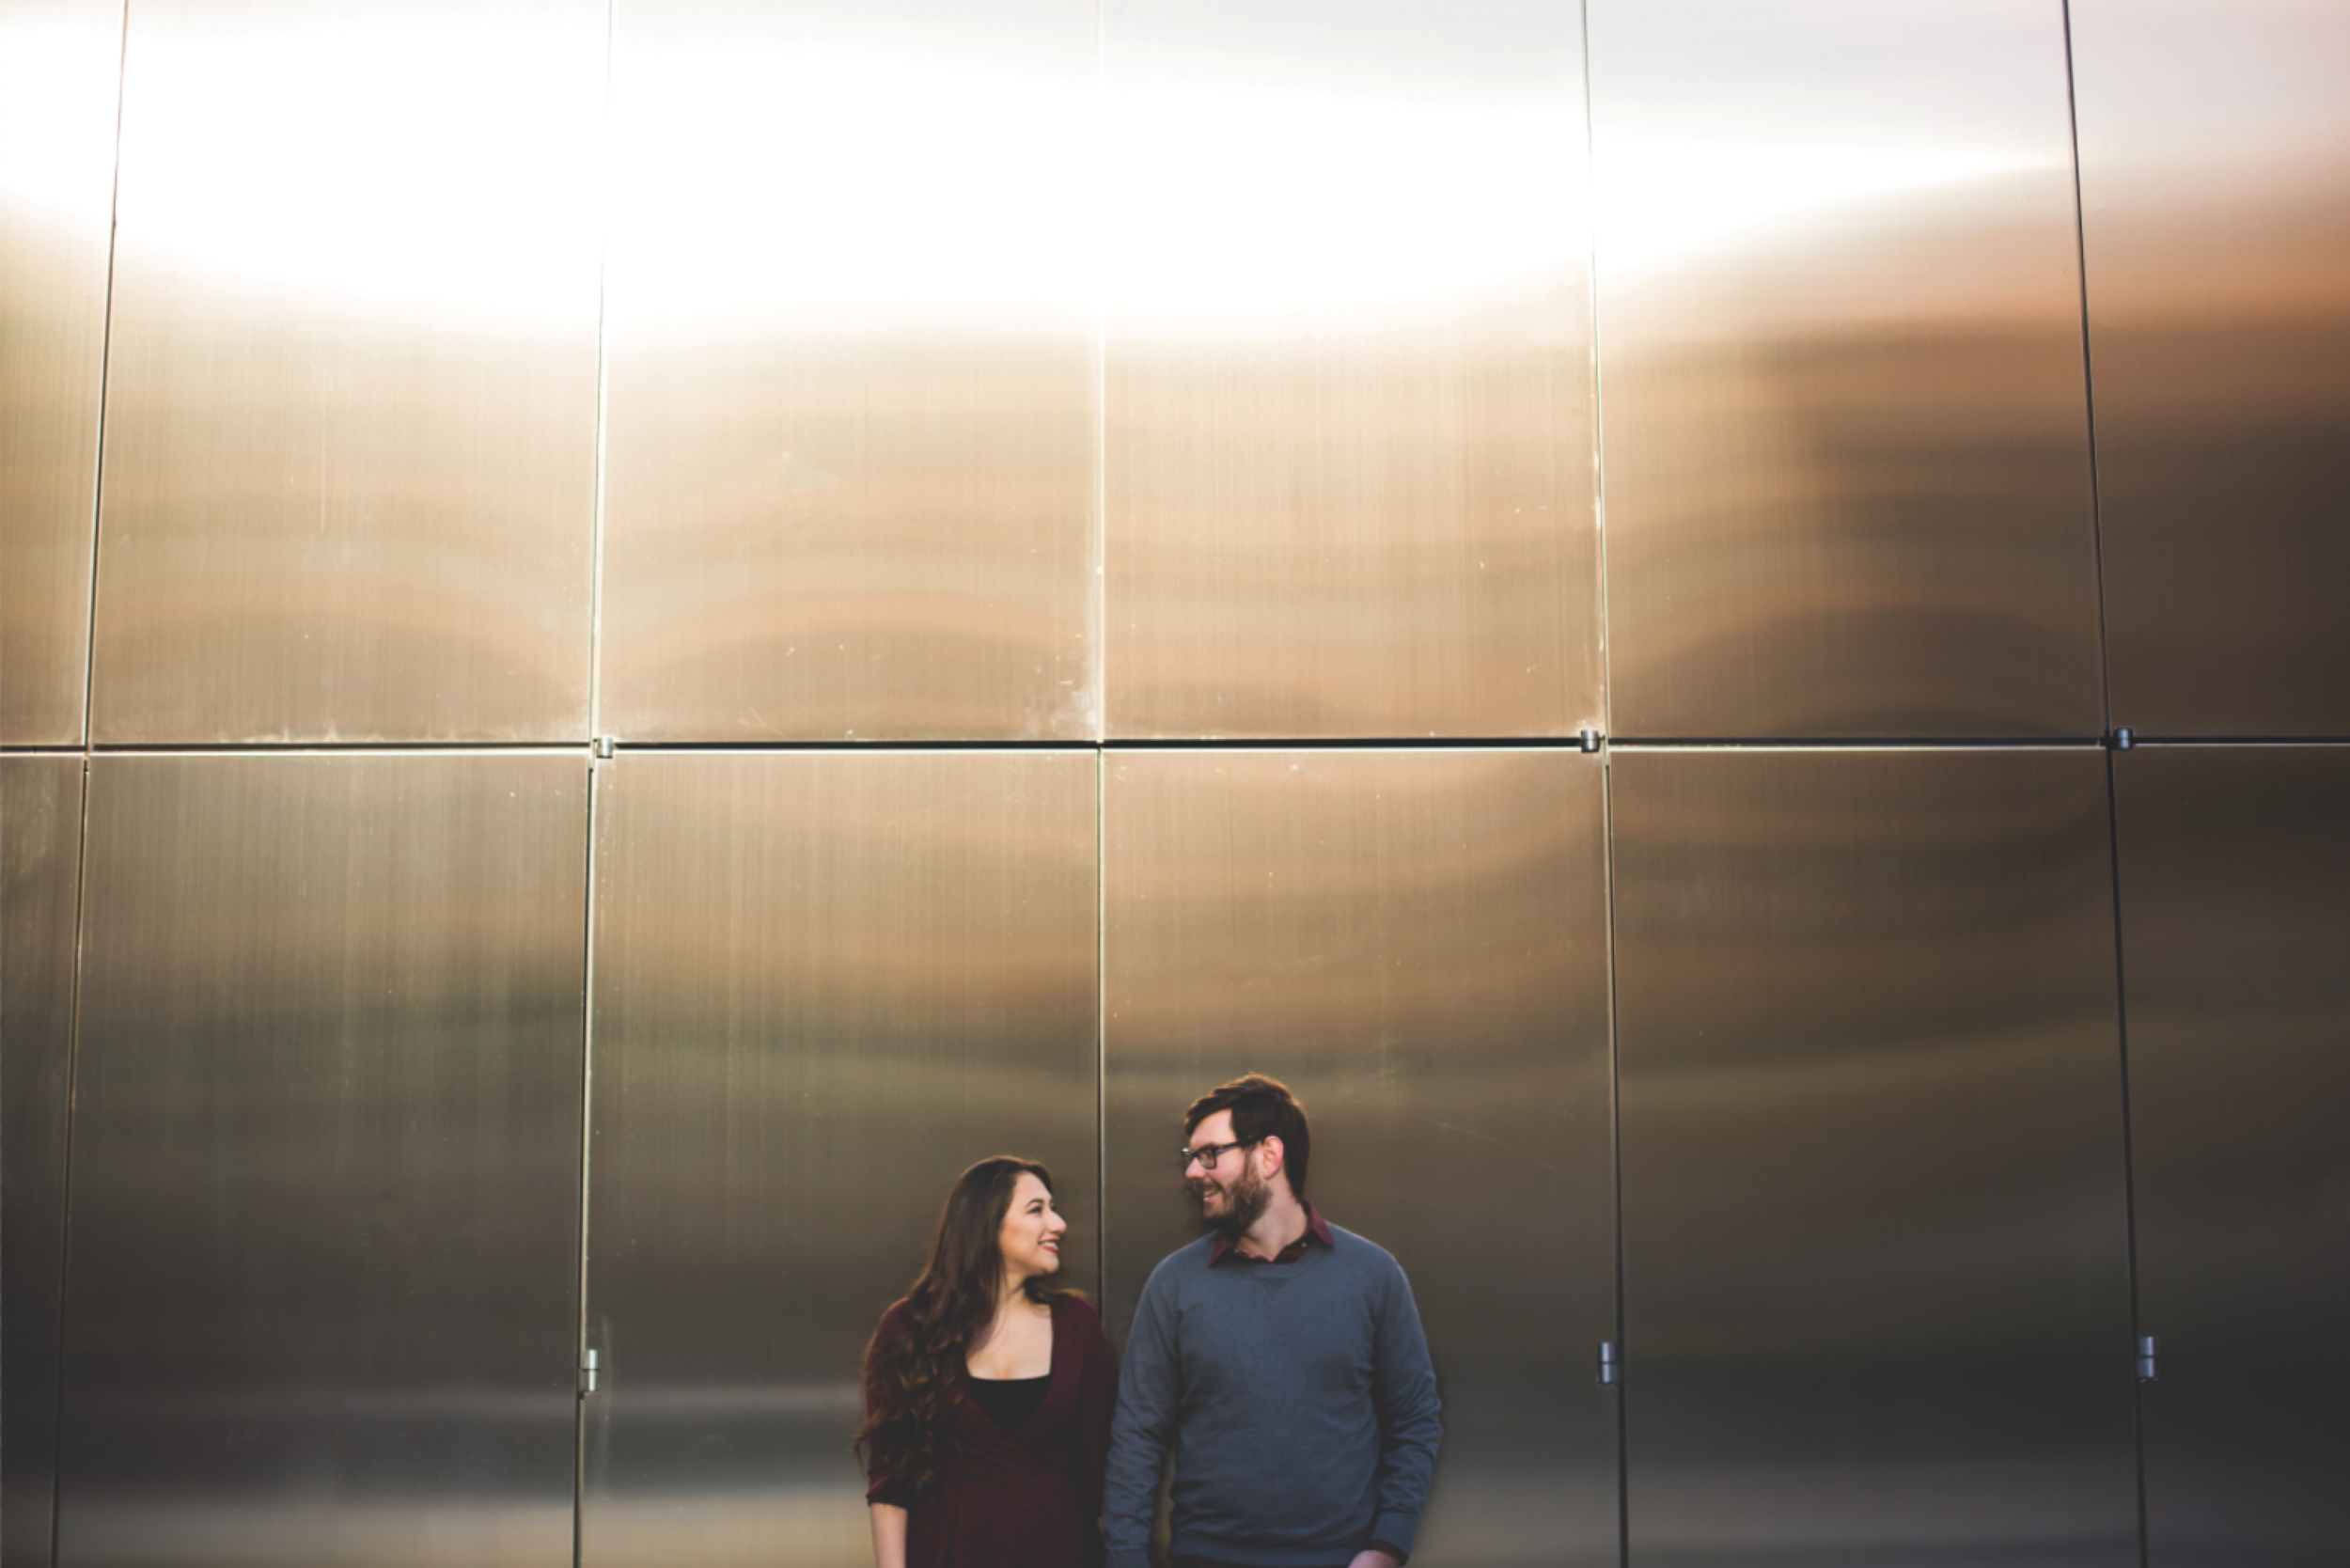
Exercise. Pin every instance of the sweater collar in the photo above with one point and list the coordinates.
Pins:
(1317, 1230)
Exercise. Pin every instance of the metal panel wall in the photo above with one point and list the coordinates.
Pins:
(40, 870)
(825, 983)
(2235, 935)
(1415, 942)
(351, 387)
(321, 1301)
(1348, 429)
(1847, 450)
(852, 484)
(2214, 151)
(1876, 1289)
(60, 80)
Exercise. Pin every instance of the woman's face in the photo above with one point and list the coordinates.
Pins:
(1032, 1228)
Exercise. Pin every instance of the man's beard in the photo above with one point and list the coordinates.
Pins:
(1245, 1203)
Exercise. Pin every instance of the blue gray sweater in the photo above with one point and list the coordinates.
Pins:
(1297, 1398)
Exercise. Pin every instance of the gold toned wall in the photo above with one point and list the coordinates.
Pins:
(630, 633)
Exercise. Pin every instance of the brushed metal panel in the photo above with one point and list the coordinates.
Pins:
(824, 984)
(851, 484)
(1349, 432)
(1847, 444)
(40, 870)
(1876, 1283)
(1417, 943)
(2235, 941)
(323, 1287)
(60, 79)
(2214, 151)
(351, 391)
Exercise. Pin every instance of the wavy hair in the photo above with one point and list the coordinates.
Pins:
(913, 1377)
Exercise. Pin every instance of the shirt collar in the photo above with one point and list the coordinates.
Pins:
(1317, 1229)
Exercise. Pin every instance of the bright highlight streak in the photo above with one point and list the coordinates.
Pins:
(453, 170)
(1664, 201)
(56, 119)
(448, 169)
(1233, 204)
(762, 183)
(807, 181)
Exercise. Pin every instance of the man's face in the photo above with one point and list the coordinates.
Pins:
(1231, 1194)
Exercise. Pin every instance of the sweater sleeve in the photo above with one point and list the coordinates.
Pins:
(1150, 1393)
(1404, 1386)
(1097, 1397)
(881, 1455)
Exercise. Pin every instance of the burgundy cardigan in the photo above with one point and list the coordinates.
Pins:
(1029, 1497)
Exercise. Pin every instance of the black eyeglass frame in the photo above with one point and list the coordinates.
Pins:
(1210, 1154)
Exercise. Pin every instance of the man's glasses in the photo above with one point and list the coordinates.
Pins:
(1209, 1153)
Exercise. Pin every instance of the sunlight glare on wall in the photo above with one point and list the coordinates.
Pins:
(441, 166)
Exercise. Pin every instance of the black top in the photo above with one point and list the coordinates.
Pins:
(1010, 1400)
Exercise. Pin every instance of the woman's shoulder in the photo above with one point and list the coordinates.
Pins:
(1074, 1314)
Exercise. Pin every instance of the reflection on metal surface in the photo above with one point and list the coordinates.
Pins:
(2215, 155)
(40, 847)
(1848, 488)
(1415, 942)
(322, 1294)
(351, 407)
(60, 70)
(852, 436)
(2236, 936)
(1349, 459)
(1876, 1294)
(825, 983)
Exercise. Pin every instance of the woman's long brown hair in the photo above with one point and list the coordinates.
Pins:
(913, 1380)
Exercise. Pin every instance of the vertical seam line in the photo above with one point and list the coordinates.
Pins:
(1592, 384)
(1101, 1027)
(587, 1138)
(1614, 1138)
(603, 384)
(105, 371)
(64, 1191)
(1098, 598)
(1099, 603)
(81, 852)
(2129, 1153)
(595, 726)
(2089, 379)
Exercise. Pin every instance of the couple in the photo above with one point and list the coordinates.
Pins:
(1279, 1358)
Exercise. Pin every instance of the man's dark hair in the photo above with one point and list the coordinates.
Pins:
(1260, 1108)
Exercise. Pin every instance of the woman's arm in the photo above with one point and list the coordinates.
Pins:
(881, 1463)
(1097, 1400)
(889, 1536)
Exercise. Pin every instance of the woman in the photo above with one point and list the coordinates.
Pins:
(987, 1396)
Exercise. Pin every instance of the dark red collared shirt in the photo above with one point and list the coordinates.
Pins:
(1317, 1234)
(1316, 1230)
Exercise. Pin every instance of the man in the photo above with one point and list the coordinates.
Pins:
(1282, 1359)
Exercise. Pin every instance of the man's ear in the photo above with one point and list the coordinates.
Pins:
(1276, 1154)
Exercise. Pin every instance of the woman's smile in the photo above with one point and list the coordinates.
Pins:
(1030, 1239)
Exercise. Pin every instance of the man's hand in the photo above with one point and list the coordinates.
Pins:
(1375, 1559)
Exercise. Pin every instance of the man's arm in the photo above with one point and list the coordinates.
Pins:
(1150, 1393)
(1404, 1386)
